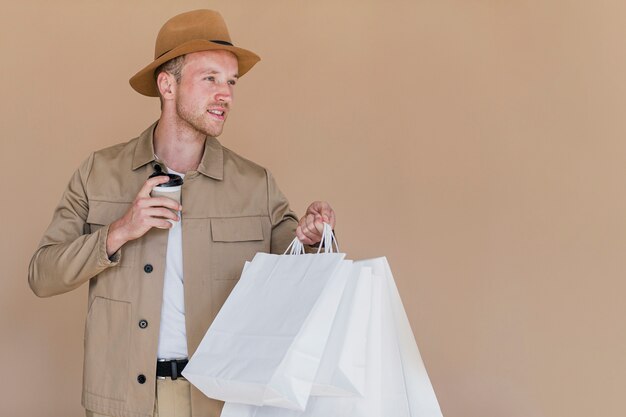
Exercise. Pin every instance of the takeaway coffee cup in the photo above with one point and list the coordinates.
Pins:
(170, 189)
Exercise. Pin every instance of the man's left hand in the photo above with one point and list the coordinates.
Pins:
(311, 225)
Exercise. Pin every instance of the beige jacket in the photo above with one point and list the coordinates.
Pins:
(232, 209)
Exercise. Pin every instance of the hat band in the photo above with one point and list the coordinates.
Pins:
(223, 43)
(214, 41)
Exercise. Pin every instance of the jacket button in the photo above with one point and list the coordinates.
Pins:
(143, 324)
(147, 268)
(141, 378)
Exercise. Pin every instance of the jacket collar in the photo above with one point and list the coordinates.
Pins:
(211, 165)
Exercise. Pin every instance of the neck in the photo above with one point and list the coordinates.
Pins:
(180, 147)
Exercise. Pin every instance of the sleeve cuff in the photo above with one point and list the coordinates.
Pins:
(103, 259)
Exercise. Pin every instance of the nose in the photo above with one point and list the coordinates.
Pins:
(223, 93)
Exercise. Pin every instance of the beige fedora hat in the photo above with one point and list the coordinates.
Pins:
(198, 30)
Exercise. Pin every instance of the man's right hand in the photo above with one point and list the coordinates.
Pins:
(145, 213)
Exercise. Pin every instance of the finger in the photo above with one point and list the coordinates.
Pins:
(164, 202)
(326, 211)
(159, 223)
(332, 219)
(142, 203)
(323, 209)
(147, 187)
(328, 214)
(318, 224)
(309, 228)
(305, 235)
(314, 228)
(301, 237)
(314, 208)
(159, 212)
(158, 202)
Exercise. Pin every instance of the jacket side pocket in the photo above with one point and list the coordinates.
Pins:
(107, 343)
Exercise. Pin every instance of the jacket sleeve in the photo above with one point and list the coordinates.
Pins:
(284, 221)
(67, 256)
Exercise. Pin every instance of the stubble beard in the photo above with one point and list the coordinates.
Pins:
(199, 121)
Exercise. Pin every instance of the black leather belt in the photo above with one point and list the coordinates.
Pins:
(171, 368)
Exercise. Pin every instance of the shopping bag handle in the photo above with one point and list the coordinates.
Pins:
(328, 239)
(295, 247)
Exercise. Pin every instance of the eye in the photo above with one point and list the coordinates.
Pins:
(232, 82)
(210, 78)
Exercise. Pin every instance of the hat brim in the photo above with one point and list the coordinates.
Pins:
(144, 83)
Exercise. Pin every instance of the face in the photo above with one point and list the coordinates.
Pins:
(205, 93)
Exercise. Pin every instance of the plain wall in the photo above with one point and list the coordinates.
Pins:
(478, 144)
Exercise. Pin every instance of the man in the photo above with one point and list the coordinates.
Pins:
(159, 271)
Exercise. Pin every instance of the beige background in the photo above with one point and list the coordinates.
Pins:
(478, 144)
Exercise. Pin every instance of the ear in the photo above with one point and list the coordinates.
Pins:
(166, 83)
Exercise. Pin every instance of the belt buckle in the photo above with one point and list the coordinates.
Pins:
(173, 368)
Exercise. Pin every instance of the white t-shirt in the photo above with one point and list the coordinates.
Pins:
(172, 333)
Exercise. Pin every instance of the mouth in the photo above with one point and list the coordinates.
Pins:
(219, 114)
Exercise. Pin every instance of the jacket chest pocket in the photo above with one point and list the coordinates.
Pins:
(102, 213)
(234, 241)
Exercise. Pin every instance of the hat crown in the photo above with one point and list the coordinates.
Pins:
(186, 33)
(195, 25)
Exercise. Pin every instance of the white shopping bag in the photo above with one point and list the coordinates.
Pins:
(342, 368)
(421, 397)
(396, 382)
(265, 345)
(369, 405)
